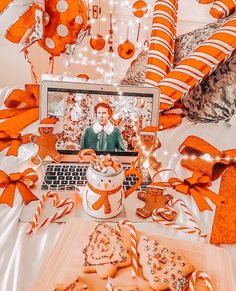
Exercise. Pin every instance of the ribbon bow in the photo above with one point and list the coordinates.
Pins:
(103, 200)
(208, 160)
(22, 108)
(196, 186)
(20, 180)
(13, 140)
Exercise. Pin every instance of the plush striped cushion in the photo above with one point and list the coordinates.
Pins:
(21, 20)
(199, 64)
(223, 8)
(162, 42)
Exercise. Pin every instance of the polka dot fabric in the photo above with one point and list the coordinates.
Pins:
(162, 42)
(64, 19)
(199, 64)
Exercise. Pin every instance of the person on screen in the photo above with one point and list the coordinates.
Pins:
(103, 135)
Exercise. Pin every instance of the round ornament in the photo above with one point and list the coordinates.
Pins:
(126, 50)
(140, 8)
(97, 42)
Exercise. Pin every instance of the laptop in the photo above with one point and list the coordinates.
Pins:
(74, 104)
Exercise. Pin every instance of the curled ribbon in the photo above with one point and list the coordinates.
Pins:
(13, 140)
(103, 200)
(208, 160)
(22, 108)
(196, 186)
(20, 180)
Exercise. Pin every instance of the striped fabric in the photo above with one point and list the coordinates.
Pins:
(205, 1)
(21, 20)
(199, 64)
(162, 42)
(223, 8)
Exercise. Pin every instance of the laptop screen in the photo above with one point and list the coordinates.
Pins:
(104, 121)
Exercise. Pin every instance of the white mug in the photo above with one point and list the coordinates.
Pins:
(104, 192)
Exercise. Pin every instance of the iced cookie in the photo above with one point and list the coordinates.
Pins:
(121, 286)
(77, 285)
(162, 267)
(105, 252)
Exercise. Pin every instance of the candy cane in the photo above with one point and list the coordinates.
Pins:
(134, 253)
(199, 275)
(57, 203)
(87, 152)
(190, 230)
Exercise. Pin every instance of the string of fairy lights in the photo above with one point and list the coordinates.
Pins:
(114, 27)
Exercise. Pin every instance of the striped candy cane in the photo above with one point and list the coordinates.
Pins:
(87, 152)
(199, 275)
(69, 203)
(134, 253)
(190, 230)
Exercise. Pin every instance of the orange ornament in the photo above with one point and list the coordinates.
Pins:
(126, 50)
(140, 8)
(83, 76)
(97, 42)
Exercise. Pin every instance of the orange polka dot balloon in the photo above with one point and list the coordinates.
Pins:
(126, 50)
(64, 19)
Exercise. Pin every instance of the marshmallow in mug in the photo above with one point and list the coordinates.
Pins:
(106, 164)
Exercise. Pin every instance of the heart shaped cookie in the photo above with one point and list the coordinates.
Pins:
(67, 203)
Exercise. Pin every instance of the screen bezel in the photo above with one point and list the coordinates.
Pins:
(96, 89)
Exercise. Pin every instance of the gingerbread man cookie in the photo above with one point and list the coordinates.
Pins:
(163, 268)
(154, 199)
(105, 252)
(47, 144)
(78, 285)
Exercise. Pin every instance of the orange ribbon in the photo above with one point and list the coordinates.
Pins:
(20, 180)
(13, 140)
(22, 108)
(103, 200)
(208, 160)
(196, 186)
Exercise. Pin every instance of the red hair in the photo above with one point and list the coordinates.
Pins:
(104, 105)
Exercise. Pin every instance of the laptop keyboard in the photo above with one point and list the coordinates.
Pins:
(69, 177)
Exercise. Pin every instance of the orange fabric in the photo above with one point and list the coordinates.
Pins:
(20, 180)
(4, 4)
(223, 8)
(169, 120)
(224, 224)
(196, 186)
(23, 109)
(64, 25)
(198, 65)
(162, 42)
(194, 145)
(13, 140)
(103, 200)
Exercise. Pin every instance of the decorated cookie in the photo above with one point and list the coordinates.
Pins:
(163, 268)
(154, 199)
(105, 252)
(78, 285)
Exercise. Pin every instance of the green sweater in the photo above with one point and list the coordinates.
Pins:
(102, 141)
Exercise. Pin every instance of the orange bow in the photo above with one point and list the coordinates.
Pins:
(13, 140)
(20, 180)
(196, 186)
(23, 108)
(208, 160)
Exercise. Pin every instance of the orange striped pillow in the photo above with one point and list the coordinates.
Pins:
(21, 21)
(199, 64)
(223, 8)
(162, 42)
